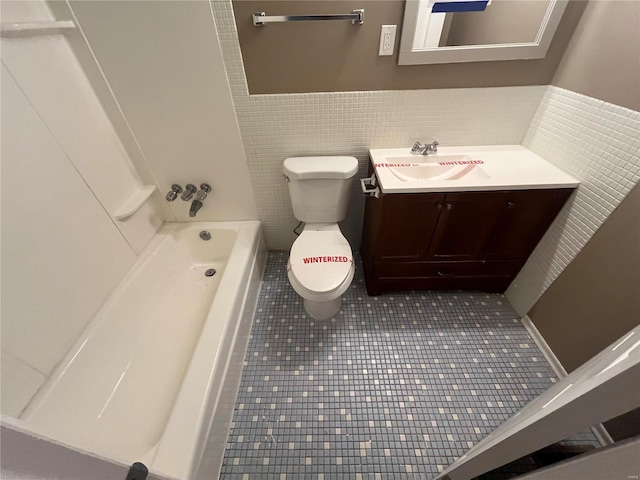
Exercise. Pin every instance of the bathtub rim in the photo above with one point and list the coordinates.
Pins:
(207, 463)
(189, 438)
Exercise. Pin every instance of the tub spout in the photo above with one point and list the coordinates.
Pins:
(195, 206)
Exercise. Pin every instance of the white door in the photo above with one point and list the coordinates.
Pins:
(606, 386)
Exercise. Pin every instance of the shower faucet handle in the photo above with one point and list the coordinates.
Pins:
(189, 190)
(173, 193)
(205, 188)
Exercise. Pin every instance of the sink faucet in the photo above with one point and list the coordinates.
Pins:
(200, 196)
(422, 149)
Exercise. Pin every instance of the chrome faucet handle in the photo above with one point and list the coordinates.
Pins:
(173, 193)
(205, 188)
(189, 190)
(417, 148)
(433, 148)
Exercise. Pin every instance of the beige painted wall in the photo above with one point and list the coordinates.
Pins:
(603, 57)
(595, 299)
(338, 56)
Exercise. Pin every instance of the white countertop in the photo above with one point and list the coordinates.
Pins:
(489, 167)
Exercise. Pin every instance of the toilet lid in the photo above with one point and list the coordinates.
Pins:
(321, 260)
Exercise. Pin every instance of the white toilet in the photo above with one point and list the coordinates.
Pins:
(321, 266)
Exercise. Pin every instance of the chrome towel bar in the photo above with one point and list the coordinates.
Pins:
(260, 18)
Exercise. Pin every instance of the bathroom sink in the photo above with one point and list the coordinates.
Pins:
(436, 167)
(456, 169)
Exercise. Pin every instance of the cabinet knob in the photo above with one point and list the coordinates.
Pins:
(448, 206)
(510, 204)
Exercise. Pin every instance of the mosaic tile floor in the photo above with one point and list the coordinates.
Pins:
(394, 386)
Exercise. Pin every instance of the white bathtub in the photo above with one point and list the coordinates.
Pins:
(143, 381)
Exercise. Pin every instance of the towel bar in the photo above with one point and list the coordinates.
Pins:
(260, 18)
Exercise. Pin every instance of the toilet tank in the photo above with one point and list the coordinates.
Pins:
(319, 187)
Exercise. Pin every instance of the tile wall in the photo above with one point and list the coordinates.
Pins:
(349, 123)
(594, 141)
(599, 144)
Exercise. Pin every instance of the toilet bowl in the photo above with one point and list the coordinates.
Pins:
(320, 269)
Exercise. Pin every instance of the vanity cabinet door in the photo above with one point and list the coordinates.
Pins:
(524, 218)
(407, 224)
(466, 222)
(469, 240)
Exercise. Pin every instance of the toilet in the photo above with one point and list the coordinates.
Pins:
(320, 267)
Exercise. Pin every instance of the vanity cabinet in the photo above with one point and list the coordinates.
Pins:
(460, 240)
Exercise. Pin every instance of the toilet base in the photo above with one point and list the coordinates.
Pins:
(323, 310)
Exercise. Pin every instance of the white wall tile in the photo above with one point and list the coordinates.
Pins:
(599, 144)
(275, 127)
(594, 141)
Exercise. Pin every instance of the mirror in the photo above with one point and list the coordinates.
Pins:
(452, 31)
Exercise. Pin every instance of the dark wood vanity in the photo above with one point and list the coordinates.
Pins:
(460, 240)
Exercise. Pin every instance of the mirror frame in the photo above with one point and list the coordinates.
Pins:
(476, 53)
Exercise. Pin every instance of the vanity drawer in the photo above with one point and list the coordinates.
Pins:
(472, 275)
(446, 269)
